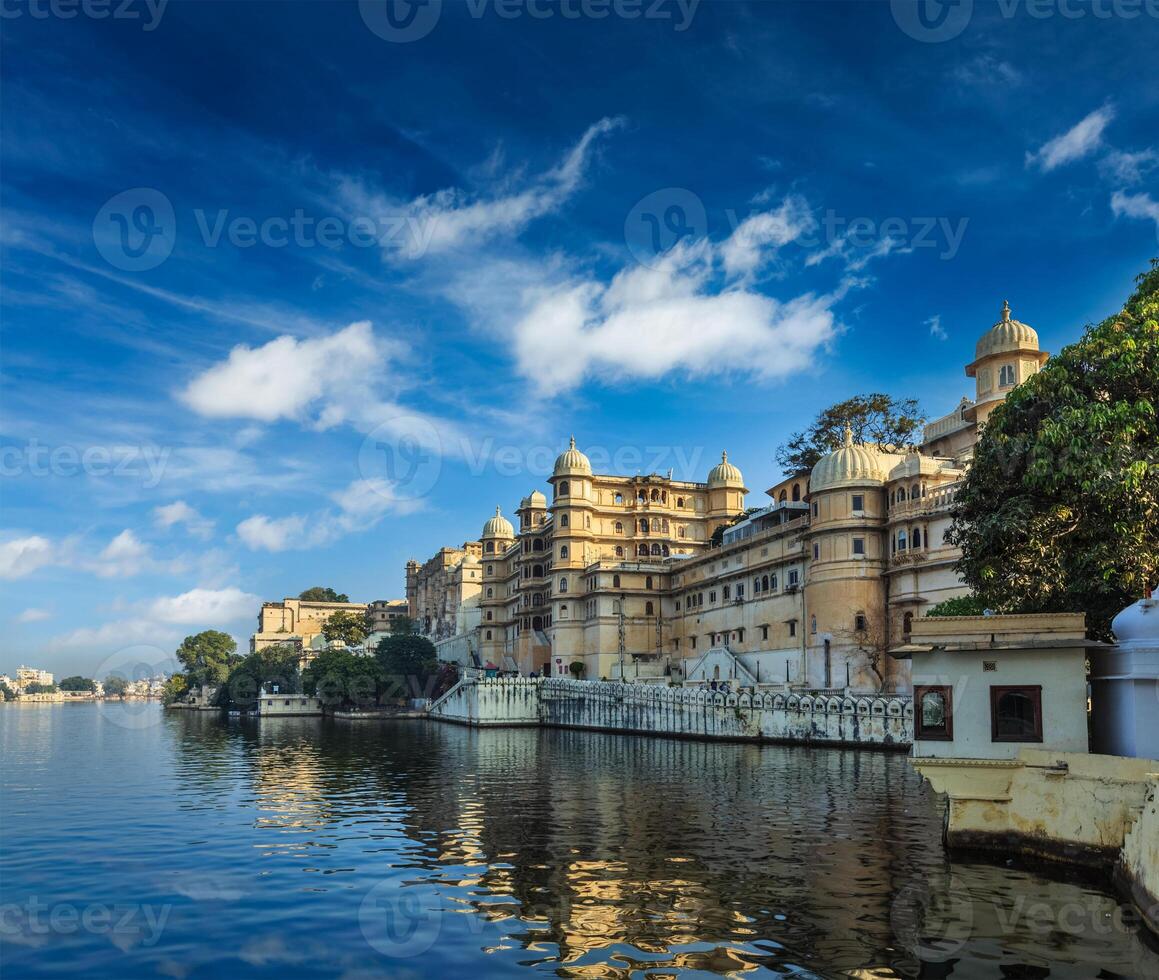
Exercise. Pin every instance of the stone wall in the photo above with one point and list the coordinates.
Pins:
(884, 721)
(1138, 864)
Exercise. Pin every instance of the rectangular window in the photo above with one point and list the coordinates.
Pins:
(728, 591)
(1016, 714)
(815, 508)
(859, 546)
(692, 640)
(816, 550)
(792, 627)
(858, 501)
(933, 713)
(712, 596)
(793, 579)
(764, 632)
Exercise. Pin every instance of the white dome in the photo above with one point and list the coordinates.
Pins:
(850, 464)
(1006, 335)
(1138, 624)
(724, 474)
(498, 527)
(536, 499)
(572, 462)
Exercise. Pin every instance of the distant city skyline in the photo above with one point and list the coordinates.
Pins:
(289, 313)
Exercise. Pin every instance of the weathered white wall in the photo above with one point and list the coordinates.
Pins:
(1139, 861)
(651, 709)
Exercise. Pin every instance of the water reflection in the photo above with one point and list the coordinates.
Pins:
(337, 848)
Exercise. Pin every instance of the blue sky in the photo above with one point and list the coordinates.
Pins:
(291, 295)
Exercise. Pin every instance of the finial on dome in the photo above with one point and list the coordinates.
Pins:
(1005, 310)
(724, 456)
(498, 512)
(848, 436)
(572, 443)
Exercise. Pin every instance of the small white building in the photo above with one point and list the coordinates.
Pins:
(987, 686)
(1125, 685)
(272, 704)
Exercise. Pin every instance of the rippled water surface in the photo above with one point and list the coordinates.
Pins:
(138, 843)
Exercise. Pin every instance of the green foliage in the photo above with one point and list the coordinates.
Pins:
(964, 605)
(207, 657)
(39, 688)
(77, 683)
(717, 538)
(276, 665)
(114, 686)
(349, 627)
(404, 625)
(1060, 509)
(7, 693)
(319, 594)
(340, 679)
(408, 662)
(576, 669)
(174, 689)
(876, 418)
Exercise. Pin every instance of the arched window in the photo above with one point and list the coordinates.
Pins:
(757, 584)
(917, 540)
(615, 581)
(783, 497)
(680, 531)
(563, 611)
(563, 553)
(616, 606)
(649, 610)
(656, 496)
(663, 496)
(619, 551)
(488, 634)
(563, 584)
(619, 498)
(537, 571)
(679, 501)
(796, 491)
(564, 489)
(642, 550)
(907, 624)
(1006, 375)
(901, 541)
(764, 583)
(587, 520)
(772, 583)
(537, 545)
(619, 527)
(644, 525)
(648, 582)
(664, 525)
(490, 569)
(489, 616)
(656, 549)
(915, 491)
(813, 624)
(563, 520)
(664, 550)
(656, 524)
(490, 546)
(490, 593)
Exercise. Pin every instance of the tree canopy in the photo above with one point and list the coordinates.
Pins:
(114, 685)
(963, 605)
(340, 678)
(207, 657)
(39, 688)
(175, 688)
(1060, 509)
(273, 666)
(349, 627)
(77, 683)
(408, 662)
(319, 594)
(876, 418)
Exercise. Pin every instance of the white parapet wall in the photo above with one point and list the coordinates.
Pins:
(1138, 866)
(883, 721)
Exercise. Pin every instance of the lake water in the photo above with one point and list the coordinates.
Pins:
(143, 843)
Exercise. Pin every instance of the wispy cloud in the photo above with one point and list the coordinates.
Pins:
(936, 329)
(33, 616)
(1079, 141)
(1135, 206)
(1128, 168)
(180, 513)
(23, 556)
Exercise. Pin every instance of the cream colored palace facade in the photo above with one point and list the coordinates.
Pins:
(618, 574)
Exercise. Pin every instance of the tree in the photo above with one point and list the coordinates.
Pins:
(404, 626)
(1060, 509)
(78, 683)
(270, 667)
(40, 689)
(407, 661)
(339, 678)
(176, 686)
(114, 686)
(207, 657)
(964, 605)
(878, 419)
(576, 668)
(319, 594)
(6, 692)
(349, 627)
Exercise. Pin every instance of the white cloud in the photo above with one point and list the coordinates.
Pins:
(33, 616)
(124, 556)
(452, 219)
(179, 512)
(756, 238)
(361, 505)
(648, 322)
(210, 607)
(985, 71)
(1129, 168)
(23, 556)
(1135, 206)
(286, 377)
(1079, 141)
(936, 329)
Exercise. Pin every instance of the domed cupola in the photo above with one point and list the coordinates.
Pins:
(851, 465)
(498, 527)
(724, 474)
(1138, 625)
(1005, 336)
(536, 500)
(572, 462)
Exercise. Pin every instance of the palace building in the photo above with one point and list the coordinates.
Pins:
(619, 575)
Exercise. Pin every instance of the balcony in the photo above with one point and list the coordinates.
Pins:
(938, 500)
